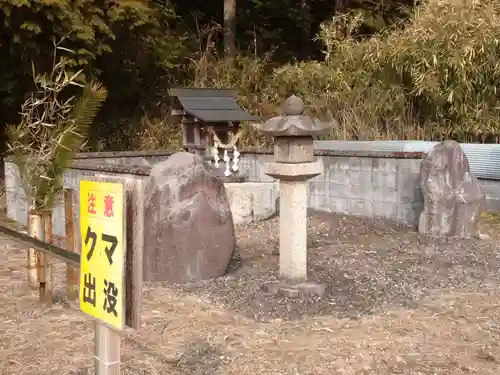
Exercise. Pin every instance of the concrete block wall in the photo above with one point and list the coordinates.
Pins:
(127, 165)
(94, 162)
(357, 183)
(252, 166)
(17, 205)
(135, 158)
(371, 187)
(371, 184)
(492, 190)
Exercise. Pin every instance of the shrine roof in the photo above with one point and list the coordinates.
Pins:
(211, 105)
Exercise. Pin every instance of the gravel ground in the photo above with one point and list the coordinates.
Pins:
(393, 305)
(367, 266)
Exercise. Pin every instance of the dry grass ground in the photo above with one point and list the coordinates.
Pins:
(394, 305)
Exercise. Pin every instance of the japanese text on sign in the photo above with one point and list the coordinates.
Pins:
(103, 252)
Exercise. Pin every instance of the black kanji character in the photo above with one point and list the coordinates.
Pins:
(110, 297)
(90, 236)
(109, 251)
(89, 289)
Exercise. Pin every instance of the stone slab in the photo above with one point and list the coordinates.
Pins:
(291, 290)
(294, 172)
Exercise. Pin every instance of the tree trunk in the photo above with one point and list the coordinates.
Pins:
(340, 5)
(229, 30)
(305, 9)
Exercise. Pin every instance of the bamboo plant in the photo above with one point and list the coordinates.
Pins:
(55, 123)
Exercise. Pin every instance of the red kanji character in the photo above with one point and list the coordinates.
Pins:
(108, 206)
(91, 204)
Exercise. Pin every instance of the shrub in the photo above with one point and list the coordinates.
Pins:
(448, 61)
(433, 77)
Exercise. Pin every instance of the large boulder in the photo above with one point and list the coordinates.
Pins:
(453, 199)
(188, 228)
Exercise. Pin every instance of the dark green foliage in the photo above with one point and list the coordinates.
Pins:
(127, 44)
(137, 48)
(288, 27)
(384, 70)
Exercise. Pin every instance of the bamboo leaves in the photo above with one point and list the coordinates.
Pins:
(55, 122)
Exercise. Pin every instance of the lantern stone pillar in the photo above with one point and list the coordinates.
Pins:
(293, 179)
(294, 164)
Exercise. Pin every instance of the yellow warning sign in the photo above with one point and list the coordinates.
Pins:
(102, 287)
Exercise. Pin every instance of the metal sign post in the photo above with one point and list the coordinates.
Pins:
(102, 268)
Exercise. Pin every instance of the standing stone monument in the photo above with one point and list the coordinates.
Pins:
(294, 164)
(453, 199)
(188, 228)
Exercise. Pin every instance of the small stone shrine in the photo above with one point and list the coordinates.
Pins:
(188, 226)
(294, 165)
(453, 199)
(210, 120)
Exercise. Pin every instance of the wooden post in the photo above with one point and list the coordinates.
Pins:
(45, 267)
(134, 255)
(107, 350)
(72, 281)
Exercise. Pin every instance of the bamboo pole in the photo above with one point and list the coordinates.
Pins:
(35, 230)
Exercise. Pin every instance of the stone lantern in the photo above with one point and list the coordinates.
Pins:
(294, 164)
